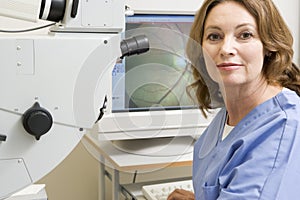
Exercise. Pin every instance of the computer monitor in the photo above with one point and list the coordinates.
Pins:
(149, 98)
(157, 79)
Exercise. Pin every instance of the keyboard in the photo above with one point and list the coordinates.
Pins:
(161, 191)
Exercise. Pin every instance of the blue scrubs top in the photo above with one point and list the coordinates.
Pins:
(259, 159)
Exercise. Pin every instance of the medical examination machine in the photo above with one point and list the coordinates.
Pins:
(55, 80)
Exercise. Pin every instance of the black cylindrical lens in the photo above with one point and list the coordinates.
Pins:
(52, 10)
(135, 45)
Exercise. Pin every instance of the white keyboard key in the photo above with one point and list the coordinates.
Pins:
(161, 191)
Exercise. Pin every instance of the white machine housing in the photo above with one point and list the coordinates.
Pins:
(68, 72)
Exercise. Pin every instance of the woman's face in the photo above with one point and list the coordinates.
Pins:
(232, 43)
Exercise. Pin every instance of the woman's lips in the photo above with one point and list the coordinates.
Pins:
(228, 66)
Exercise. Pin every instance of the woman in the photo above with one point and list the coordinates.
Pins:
(251, 150)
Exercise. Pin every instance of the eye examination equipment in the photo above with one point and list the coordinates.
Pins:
(54, 81)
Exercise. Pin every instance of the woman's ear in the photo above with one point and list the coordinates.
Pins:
(268, 53)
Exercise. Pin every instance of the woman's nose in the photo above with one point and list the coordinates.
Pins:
(228, 47)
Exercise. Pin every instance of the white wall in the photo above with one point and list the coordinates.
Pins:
(290, 12)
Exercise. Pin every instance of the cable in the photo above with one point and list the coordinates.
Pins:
(134, 176)
(27, 30)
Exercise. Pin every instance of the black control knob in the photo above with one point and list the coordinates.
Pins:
(2, 138)
(37, 121)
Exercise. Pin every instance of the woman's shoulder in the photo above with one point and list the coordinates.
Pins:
(288, 100)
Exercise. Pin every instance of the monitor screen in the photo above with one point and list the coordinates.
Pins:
(155, 80)
(149, 97)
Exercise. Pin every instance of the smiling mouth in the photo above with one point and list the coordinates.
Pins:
(228, 66)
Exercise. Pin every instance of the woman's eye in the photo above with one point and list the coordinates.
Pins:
(214, 37)
(246, 35)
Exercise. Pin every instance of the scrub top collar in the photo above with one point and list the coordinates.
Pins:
(218, 124)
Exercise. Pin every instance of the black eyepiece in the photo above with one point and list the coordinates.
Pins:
(135, 45)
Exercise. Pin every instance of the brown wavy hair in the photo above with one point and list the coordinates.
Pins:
(278, 67)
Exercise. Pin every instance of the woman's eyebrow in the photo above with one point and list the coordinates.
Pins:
(212, 27)
(238, 26)
(246, 24)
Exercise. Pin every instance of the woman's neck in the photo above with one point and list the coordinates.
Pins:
(240, 102)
